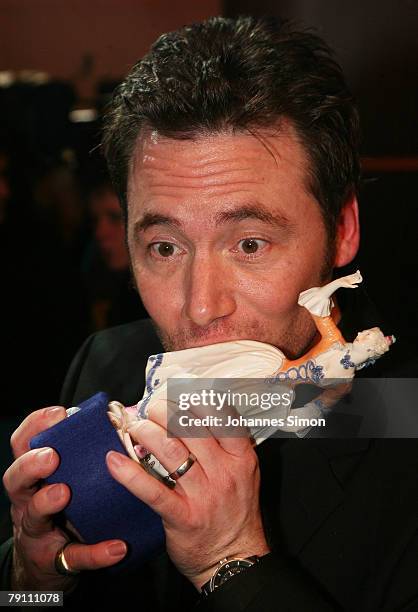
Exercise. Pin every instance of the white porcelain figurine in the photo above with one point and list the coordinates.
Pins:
(330, 364)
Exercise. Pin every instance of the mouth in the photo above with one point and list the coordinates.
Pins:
(213, 340)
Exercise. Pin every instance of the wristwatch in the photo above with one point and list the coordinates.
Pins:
(226, 569)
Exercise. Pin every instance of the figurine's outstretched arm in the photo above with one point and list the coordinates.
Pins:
(317, 300)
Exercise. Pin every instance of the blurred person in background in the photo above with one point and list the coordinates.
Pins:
(111, 295)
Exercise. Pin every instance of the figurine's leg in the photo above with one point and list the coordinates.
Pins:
(328, 329)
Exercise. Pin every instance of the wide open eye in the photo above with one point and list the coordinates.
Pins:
(163, 250)
(251, 246)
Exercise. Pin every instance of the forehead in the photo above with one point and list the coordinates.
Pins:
(203, 175)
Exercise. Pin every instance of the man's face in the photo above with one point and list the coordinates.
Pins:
(223, 236)
(109, 230)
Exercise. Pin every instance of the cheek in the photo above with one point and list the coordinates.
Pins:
(161, 297)
(274, 291)
(267, 294)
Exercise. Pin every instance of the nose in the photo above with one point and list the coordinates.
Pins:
(209, 292)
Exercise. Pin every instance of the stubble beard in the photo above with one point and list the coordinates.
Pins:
(293, 341)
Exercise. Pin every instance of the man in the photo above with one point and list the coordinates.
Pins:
(233, 148)
(111, 297)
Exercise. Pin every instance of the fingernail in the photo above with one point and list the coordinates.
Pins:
(52, 410)
(54, 493)
(45, 455)
(116, 460)
(140, 451)
(117, 549)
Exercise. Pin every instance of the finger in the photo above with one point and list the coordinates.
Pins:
(93, 556)
(236, 446)
(203, 440)
(37, 514)
(235, 440)
(21, 479)
(170, 452)
(226, 432)
(166, 502)
(200, 440)
(37, 421)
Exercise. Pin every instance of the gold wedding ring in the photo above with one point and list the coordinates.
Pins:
(61, 564)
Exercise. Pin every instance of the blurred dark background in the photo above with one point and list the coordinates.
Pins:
(64, 268)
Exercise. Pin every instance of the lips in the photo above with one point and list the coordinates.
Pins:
(207, 341)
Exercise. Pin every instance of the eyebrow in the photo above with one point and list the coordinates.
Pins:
(253, 211)
(150, 219)
(241, 213)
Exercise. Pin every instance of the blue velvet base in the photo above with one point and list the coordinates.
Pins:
(100, 508)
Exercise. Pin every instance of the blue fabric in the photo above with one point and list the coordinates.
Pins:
(100, 508)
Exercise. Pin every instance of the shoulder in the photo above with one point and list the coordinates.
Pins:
(120, 340)
(113, 361)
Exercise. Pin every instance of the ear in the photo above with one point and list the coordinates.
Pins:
(348, 233)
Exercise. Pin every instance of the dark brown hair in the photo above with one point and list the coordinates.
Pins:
(241, 74)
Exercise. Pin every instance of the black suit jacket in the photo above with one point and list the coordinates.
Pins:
(341, 515)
